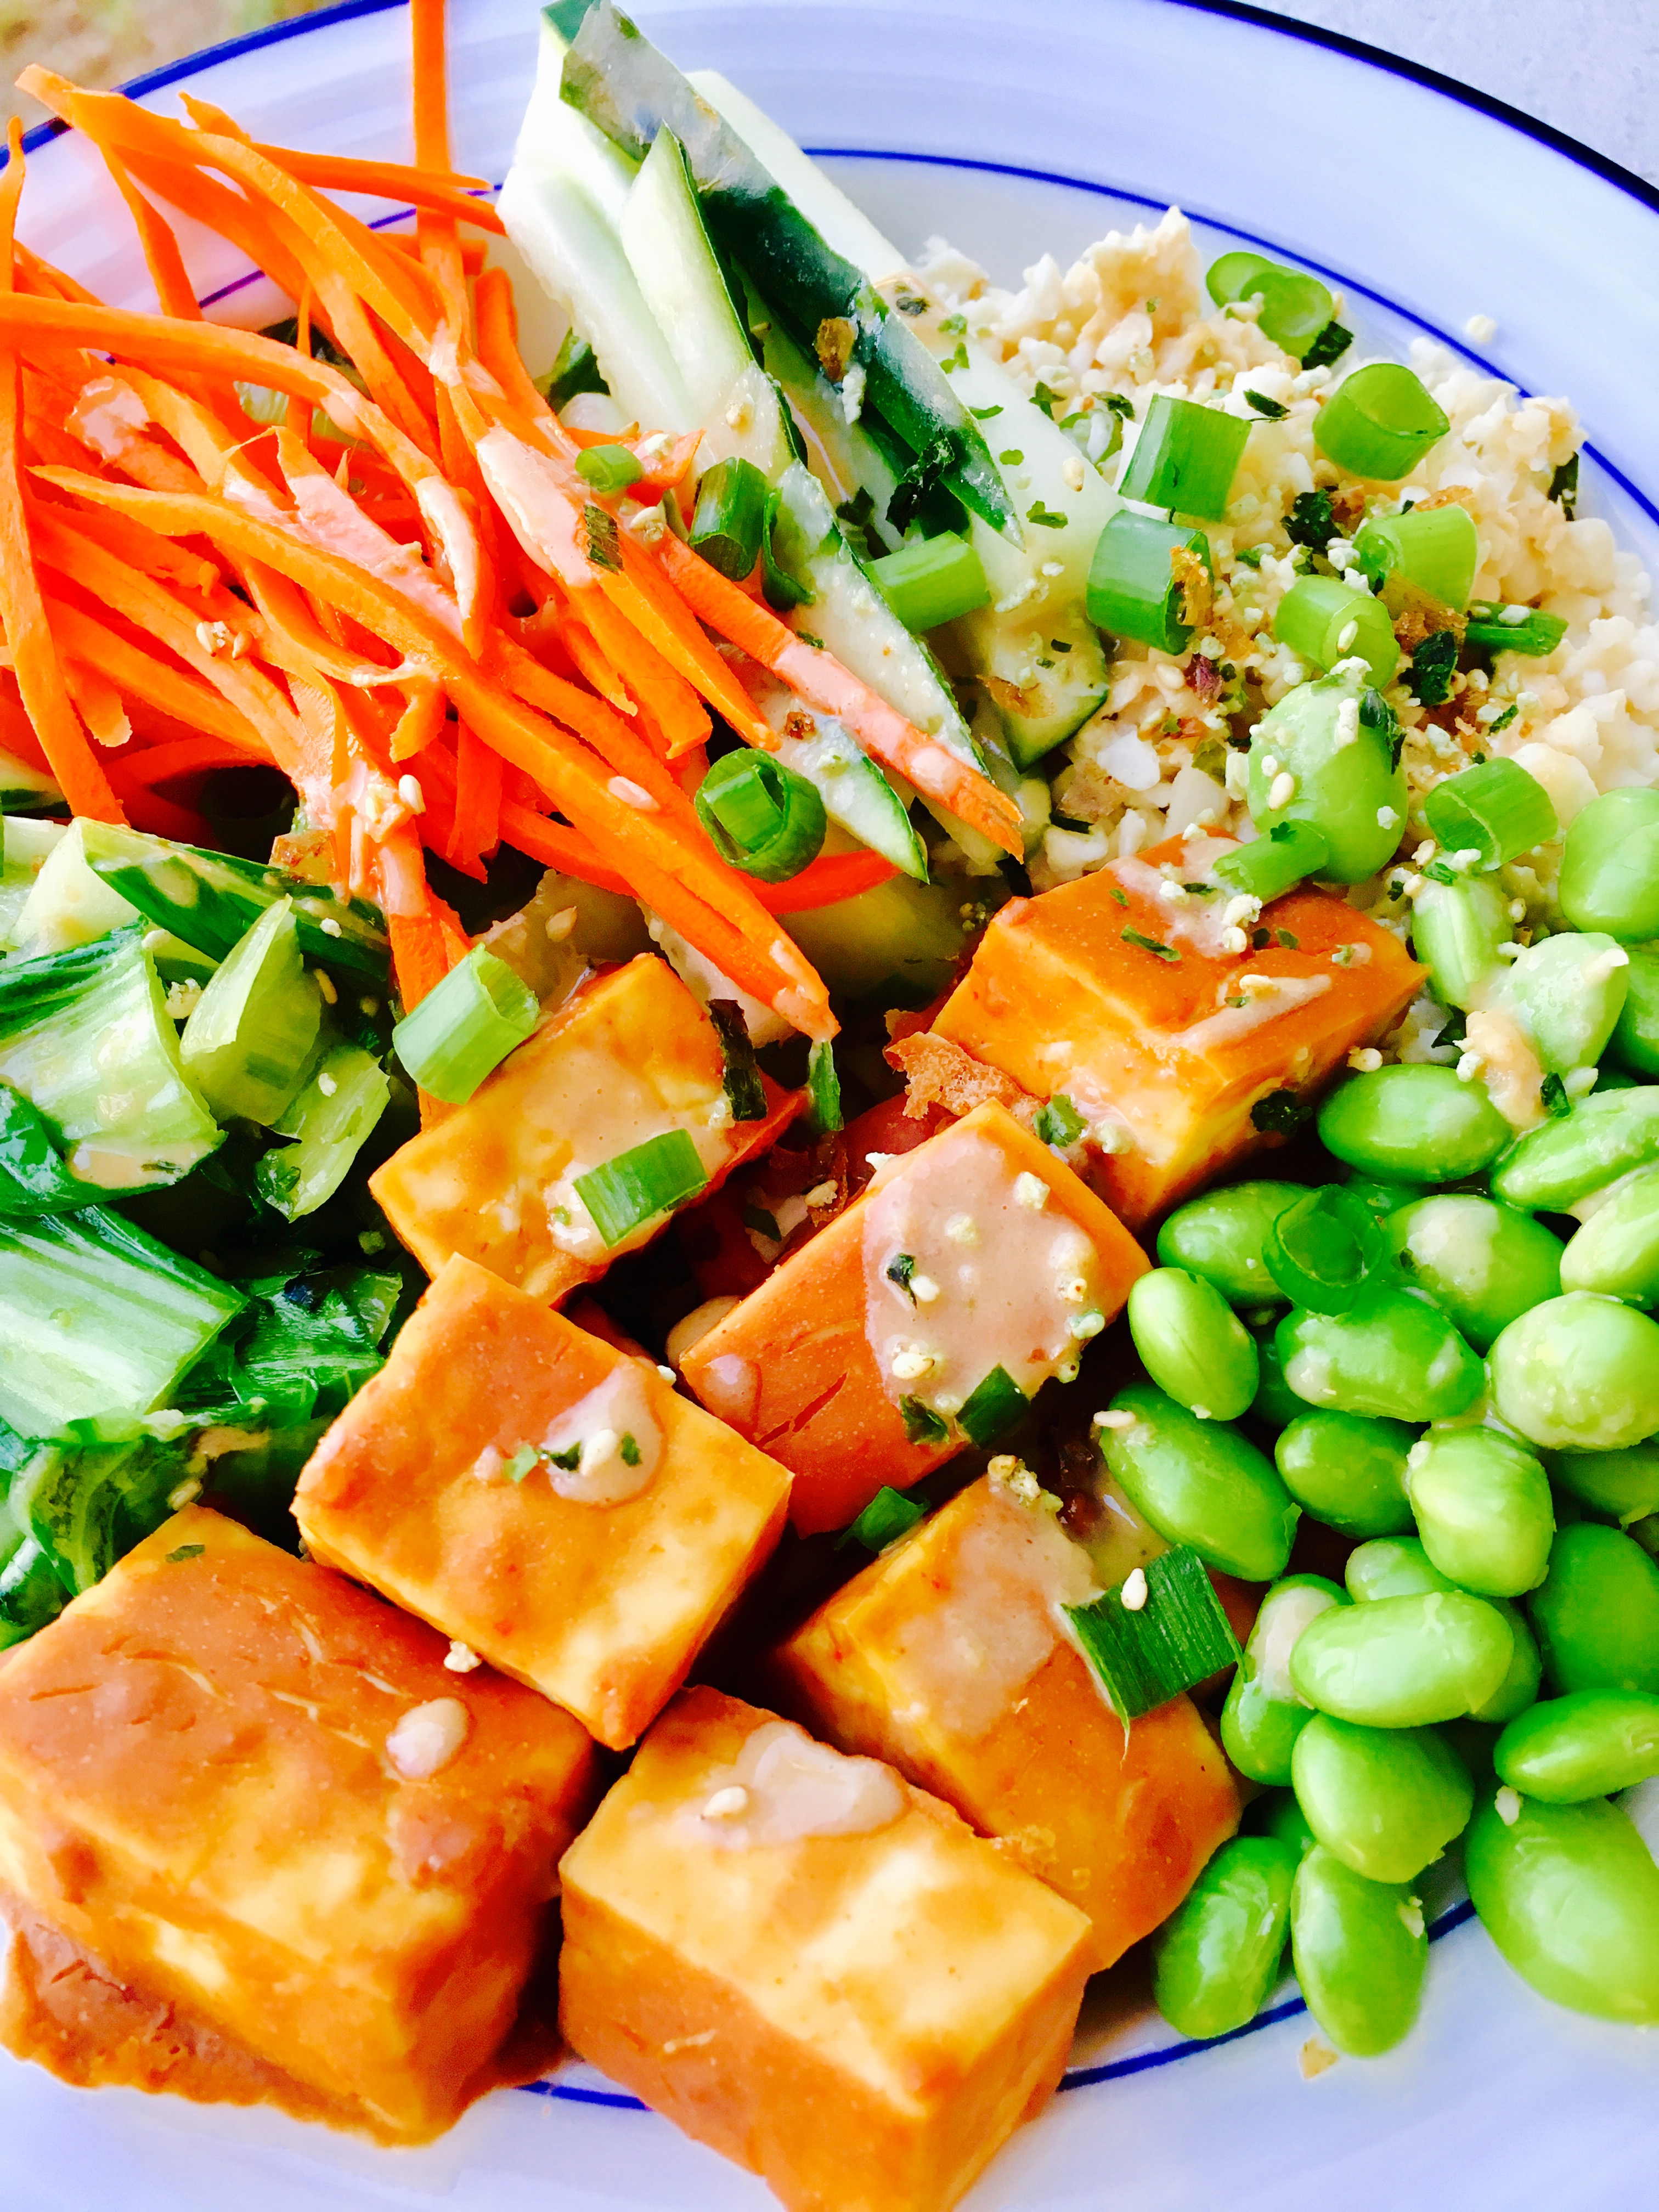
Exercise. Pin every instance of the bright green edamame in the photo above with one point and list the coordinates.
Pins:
(1519, 1686)
(1616, 1252)
(1392, 1356)
(1316, 758)
(1570, 1894)
(1348, 1472)
(1386, 1801)
(1597, 1612)
(1192, 1343)
(1604, 1137)
(1263, 1715)
(1412, 1122)
(1636, 1040)
(1403, 1662)
(1217, 1956)
(1456, 929)
(1621, 1485)
(1610, 866)
(1275, 1813)
(1392, 1566)
(1567, 993)
(1483, 1265)
(1202, 1484)
(1483, 1510)
(1382, 1198)
(1275, 1403)
(1578, 1373)
(1219, 1237)
(1588, 1744)
(1360, 1951)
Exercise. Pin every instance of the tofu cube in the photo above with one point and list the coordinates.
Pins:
(857, 1362)
(1166, 1053)
(471, 1482)
(949, 1657)
(262, 1847)
(630, 1057)
(812, 1966)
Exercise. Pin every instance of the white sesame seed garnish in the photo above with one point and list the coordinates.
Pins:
(461, 1658)
(1085, 1325)
(1366, 1058)
(1507, 1806)
(1481, 328)
(428, 1737)
(923, 1289)
(728, 1804)
(962, 1229)
(408, 790)
(1030, 1191)
(1134, 1591)
(1114, 1418)
(1283, 791)
(912, 1363)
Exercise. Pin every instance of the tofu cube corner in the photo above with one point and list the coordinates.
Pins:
(811, 1966)
(543, 1499)
(259, 1845)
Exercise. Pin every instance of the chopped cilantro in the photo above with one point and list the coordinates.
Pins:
(1270, 408)
(629, 1451)
(1311, 521)
(900, 1269)
(1122, 897)
(1564, 487)
(1249, 556)
(1438, 872)
(1149, 944)
(1502, 723)
(1554, 1095)
(570, 1459)
(185, 1551)
(922, 1425)
(1330, 345)
(1432, 666)
(1047, 399)
(1045, 517)
(1259, 939)
(807, 638)
(1120, 403)
(984, 414)
(1278, 1113)
(1059, 1123)
(956, 359)
(1289, 943)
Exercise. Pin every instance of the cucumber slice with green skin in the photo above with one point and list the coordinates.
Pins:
(28, 844)
(332, 1117)
(209, 900)
(251, 1035)
(855, 791)
(86, 1037)
(903, 935)
(843, 455)
(620, 82)
(26, 790)
(98, 1320)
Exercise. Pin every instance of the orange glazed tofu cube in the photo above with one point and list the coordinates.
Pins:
(544, 1499)
(969, 1270)
(260, 1846)
(631, 1059)
(950, 1658)
(810, 1965)
(1130, 1003)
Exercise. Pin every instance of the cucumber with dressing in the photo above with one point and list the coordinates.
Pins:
(26, 790)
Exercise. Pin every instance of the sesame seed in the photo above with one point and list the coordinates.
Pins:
(1029, 1192)
(1085, 1325)
(923, 1289)
(408, 790)
(727, 1804)
(1481, 328)
(1366, 1058)
(1507, 1806)
(461, 1659)
(1283, 791)
(1114, 1418)
(962, 1229)
(1133, 1592)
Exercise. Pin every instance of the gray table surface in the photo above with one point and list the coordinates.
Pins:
(1588, 67)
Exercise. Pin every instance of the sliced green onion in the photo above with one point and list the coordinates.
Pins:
(608, 468)
(466, 1026)
(1435, 548)
(931, 580)
(1134, 590)
(1186, 458)
(1236, 276)
(1379, 422)
(889, 1516)
(1178, 1638)
(762, 817)
(1325, 622)
(1269, 867)
(332, 1117)
(622, 1194)
(1322, 1250)
(742, 1084)
(824, 1112)
(1513, 630)
(730, 521)
(781, 590)
(1058, 1123)
(992, 1409)
(1296, 309)
(922, 1425)
(576, 368)
(1497, 809)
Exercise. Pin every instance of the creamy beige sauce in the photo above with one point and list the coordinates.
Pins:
(617, 1435)
(782, 1788)
(107, 415)
(1194, 920)
(1000, 1276)
(1282, 1621)
(1509, 1067)
(524, 485)
(333, 522)
(1266, 998)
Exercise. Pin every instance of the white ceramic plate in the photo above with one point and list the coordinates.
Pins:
(1018, 131)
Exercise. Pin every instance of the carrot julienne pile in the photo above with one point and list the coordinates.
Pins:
(405, 597)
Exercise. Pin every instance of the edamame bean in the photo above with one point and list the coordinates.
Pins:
(1610, 866)
(1342, 778)
(1636, 1040)
(1263, 1715)
(1483, 1265)
(1617, 1250)
(1588, 1744)
(1348, 1472)
(1360, 1951)
(1382, 1198)
(1519, 1686)
(1275, 1402)
(1392, 1566)
(1570, 1894)
(1201, 1483)
(1567, 993)
(1219, 1237)
(1597, 1612)
(1483, 1510)
(1580, 1373)
(1456, 929)
(1386, 1801)
(1217, 1956)
(1414, 1122)
(1604, 1137)
(1403, 1662)
(1191, 1344)
(1275, 1813)
(1621, 1485)
(1392, 1356)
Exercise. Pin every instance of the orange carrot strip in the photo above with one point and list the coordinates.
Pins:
(450, 194)
(156, 764)
(498, 342)
(818, 677)
(663, 694)
(478, 826)
(354, 332)
(583, 650)
(825, 882)
(423, 719)
(139, 675)
(429, 73)
(621, 748)
(661, 617)
(559, 847)
(100, 703)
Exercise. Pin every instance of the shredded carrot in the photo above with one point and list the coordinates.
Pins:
(429, 73)
(421, 721)
(140, 676)
(825, 882)
(100, 703)
(498, 342)
(666, 694)
(559, 847)
(153, 764)
(448, 193)
(477, 825)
